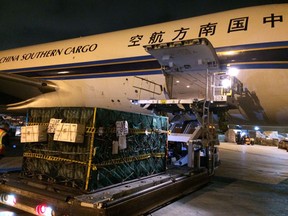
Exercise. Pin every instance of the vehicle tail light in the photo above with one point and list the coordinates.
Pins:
(44, 210)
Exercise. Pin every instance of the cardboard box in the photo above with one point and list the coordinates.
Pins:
(34, 133)
(67, 132)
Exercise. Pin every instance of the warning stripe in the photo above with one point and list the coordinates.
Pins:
(95, 166)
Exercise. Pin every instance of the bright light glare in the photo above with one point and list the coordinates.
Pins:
(11, 200)
(232, 71)
(256, 128)
(8, 199)
(229, 53)
(226, 83)
(63, 72)
(43, 210)
(7, 213)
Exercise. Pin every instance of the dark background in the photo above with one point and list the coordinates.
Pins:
(27, 22)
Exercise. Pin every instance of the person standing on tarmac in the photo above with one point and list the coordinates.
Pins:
(4, 139)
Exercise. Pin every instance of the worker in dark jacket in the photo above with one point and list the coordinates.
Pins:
(4, 138)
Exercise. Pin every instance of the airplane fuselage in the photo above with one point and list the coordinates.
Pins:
(108, 70)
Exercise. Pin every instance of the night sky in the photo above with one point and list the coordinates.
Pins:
(27, 22)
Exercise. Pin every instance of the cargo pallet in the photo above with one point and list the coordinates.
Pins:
(91, 178)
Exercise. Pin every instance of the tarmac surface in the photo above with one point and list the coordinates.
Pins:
(252, 180)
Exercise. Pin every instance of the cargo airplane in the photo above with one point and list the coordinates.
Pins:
(157, 62)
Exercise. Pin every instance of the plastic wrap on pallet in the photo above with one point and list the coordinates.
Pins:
(144, 153)
(62, 163)
(56, 161)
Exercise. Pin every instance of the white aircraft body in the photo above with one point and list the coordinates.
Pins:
(108, 70)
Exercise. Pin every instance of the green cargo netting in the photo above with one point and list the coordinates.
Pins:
(67, 163)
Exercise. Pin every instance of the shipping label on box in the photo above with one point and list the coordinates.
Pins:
(53, 124)
(122, 128)
(67, 132)
(34, 133)
(220, 97)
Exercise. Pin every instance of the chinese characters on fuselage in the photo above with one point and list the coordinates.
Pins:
(205, 30)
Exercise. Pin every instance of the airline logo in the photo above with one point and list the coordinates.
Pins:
(50, 53)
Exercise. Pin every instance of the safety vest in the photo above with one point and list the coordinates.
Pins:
(2, 134)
